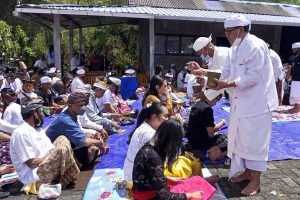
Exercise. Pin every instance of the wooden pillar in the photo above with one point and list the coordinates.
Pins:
(80, 41)
(56, 41)
(151, 47)
(71, 40)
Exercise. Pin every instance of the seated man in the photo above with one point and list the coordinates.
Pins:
(201, 126)
(93, 112)
(86, 149)
(26, 94)
(48, 97)
(5, 131)
(12, 110)
(36, 159)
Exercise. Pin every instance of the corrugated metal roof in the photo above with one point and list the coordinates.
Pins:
(188, 4)
(156, 13)
(229, 6)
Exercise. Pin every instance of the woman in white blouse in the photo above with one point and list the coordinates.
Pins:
(149, 120)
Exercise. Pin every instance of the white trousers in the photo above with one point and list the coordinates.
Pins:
(238, 164)
(295, 93)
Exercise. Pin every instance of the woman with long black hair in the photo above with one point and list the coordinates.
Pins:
(149, 181)
(148, 121)
(158, 92)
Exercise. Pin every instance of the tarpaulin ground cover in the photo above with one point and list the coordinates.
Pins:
(108, 171)
(285, 137)
(285, 144)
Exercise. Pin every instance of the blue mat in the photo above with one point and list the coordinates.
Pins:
(118, 146)
(285, 137)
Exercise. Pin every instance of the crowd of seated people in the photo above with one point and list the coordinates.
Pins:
(75, 138)
(85, 116)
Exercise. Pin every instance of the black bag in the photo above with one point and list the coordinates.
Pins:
(127, 121)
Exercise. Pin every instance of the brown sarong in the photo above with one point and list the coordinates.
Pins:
(60, 164)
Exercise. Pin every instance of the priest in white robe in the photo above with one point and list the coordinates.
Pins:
(249, 73)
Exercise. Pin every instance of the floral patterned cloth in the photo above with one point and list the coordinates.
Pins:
(4, 153)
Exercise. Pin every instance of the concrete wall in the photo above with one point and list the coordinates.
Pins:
(271, 34)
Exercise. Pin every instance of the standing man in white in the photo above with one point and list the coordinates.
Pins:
(204, 47)
(249, 73)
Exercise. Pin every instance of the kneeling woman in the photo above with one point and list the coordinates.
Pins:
(149, 181)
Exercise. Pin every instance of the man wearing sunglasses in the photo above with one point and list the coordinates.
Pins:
(249, 73)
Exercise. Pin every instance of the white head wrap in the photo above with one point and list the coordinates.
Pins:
(236, 21)
(201, 42)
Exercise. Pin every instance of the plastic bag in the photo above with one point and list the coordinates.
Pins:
(47, 191)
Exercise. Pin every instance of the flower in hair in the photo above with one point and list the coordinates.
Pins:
(148, 105)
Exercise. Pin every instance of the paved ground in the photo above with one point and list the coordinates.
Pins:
(281, 181)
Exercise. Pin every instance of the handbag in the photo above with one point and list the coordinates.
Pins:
(196, 163)
(127, 121)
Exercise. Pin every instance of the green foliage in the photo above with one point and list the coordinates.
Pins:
(15, 42)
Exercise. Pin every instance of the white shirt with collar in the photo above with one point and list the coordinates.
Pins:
(277, 65)
(220, 55)
(249, 65)
(28, 143)
(78, 85)
(12, 114)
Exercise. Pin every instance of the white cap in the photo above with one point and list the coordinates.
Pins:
(212, 94)
(201, 42)
(169, 75)
(80, 72)
(1, 77)
(129, 71)
(236, 20)
(100, 84)
(46, 79)
(116, 81)
(296, 45)
(51, 70)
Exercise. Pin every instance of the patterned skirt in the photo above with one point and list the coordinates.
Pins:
(4, 153)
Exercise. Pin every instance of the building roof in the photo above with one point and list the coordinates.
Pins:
(85, 16)
(223, 5)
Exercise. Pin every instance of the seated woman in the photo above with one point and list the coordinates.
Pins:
(112, 102)
(149, 181)
(202, 129)
(148, 121)
(158, 92)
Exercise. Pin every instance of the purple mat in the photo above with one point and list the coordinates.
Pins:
(118, 146)
(284, 144)
(285, 137)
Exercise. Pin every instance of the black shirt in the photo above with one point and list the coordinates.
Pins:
(201, 117)
(295, 71)
(148, 174)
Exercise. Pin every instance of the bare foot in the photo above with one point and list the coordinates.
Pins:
(6, 169)
(294, 110)
(253, 186)
(246, 176)
(212, 179)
